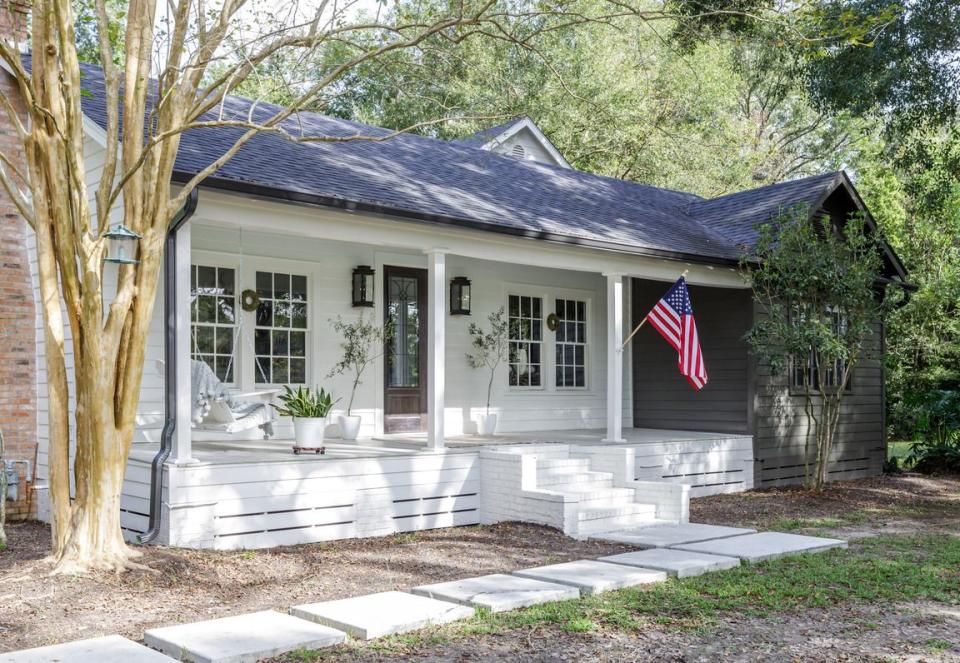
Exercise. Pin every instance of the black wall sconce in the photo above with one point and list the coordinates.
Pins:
(363, 285)
(460, 296)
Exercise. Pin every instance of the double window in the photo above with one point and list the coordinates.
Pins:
(527, 355)
(213, 317)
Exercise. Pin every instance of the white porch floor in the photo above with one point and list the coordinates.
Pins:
(280, 449)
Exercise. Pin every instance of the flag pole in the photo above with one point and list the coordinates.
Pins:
(642, 322)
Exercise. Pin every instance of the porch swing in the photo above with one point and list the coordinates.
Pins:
(214, 407)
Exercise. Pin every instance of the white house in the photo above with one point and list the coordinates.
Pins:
(591, 437)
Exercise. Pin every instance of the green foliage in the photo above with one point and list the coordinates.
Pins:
(362, 344)
(814, 281)
(86, 29)
(489, 346)
(938, 449)
(304, 403)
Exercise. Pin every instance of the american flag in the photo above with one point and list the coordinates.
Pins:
(673, 318)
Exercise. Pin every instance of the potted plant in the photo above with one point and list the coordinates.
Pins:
(362, 344)
(489, 349)
(309, 409)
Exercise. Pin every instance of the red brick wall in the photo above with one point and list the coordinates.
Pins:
(18, 360)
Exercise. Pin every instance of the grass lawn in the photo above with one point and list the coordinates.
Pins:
(884, 569)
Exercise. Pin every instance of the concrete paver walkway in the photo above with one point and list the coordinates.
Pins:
(593, 577)
(242, 638)
(765, 546)
(498, 592)
(680, 563)
(386, 613)
(108, 649)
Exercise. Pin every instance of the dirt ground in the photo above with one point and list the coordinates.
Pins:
(193, 585)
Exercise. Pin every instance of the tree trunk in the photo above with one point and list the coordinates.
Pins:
(3, 495)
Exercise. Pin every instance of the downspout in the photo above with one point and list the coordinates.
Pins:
(169, 365)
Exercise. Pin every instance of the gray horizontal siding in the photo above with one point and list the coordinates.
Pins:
(780, 424)
(662, 398)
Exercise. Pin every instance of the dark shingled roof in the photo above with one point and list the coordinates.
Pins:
(736, 215)
(459, 184)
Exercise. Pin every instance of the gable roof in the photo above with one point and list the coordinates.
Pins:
(492, 137)
(458, 184)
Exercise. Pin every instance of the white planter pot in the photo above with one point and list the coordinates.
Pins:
(308, 431)
(487, 424)
(349, 427)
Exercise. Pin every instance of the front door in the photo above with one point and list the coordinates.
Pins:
(405, 354)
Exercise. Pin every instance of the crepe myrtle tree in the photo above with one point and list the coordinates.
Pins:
(489, 346)
(816, 284)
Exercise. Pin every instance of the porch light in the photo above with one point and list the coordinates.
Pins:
(121, 245)
(363, 285)
(460, 296)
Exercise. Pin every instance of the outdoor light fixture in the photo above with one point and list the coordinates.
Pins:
(460, 296)
(122, 245)
(363, 285)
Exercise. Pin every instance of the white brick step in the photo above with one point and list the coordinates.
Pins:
(599, 525)
(555, 477)
(589, 485)
(630, 509)
(558, 463)
(603, 496)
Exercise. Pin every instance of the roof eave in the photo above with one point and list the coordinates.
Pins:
(263, 192)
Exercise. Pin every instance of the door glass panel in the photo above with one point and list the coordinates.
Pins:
(403, 352)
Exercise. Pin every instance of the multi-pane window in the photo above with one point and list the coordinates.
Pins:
(280, 336)
(213, 318)
(571, 343)
(832, 373)
(525, 318)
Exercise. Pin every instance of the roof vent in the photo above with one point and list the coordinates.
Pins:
(518, 152)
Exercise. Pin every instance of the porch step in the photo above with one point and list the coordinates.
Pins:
(563, 464)
(592, 520)
(575, 485)
(602, 497)
(569, 475)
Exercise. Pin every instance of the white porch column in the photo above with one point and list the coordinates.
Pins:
(614, 358)
(182, 451)
(436, 340)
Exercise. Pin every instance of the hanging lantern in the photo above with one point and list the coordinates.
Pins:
(363, 285)
(122, 245)
(460, 296)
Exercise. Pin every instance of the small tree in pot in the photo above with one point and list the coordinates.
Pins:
(309, 409)
(363, 343)
(489, 350)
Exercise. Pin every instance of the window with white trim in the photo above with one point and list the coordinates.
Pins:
(805, 372)
(280, 334)
(213, 318)
(571, 343)
(525, 324)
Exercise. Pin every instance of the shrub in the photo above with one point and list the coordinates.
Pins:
(938, 447)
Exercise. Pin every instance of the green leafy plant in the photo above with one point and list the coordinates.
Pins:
(815, 281)
(363, 343)
(304, 403)
(489, 346)
(938, 449)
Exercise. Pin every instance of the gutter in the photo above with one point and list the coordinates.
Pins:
(169, 365)
(259, 191)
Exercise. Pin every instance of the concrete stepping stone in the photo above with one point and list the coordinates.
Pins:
(670, 535)
(765, 546)
(593, 577)
(679, 563)
(386, 613)
(242, 638)
(108, 649)
(498, 592)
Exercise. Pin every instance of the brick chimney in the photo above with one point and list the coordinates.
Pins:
(18, 321)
